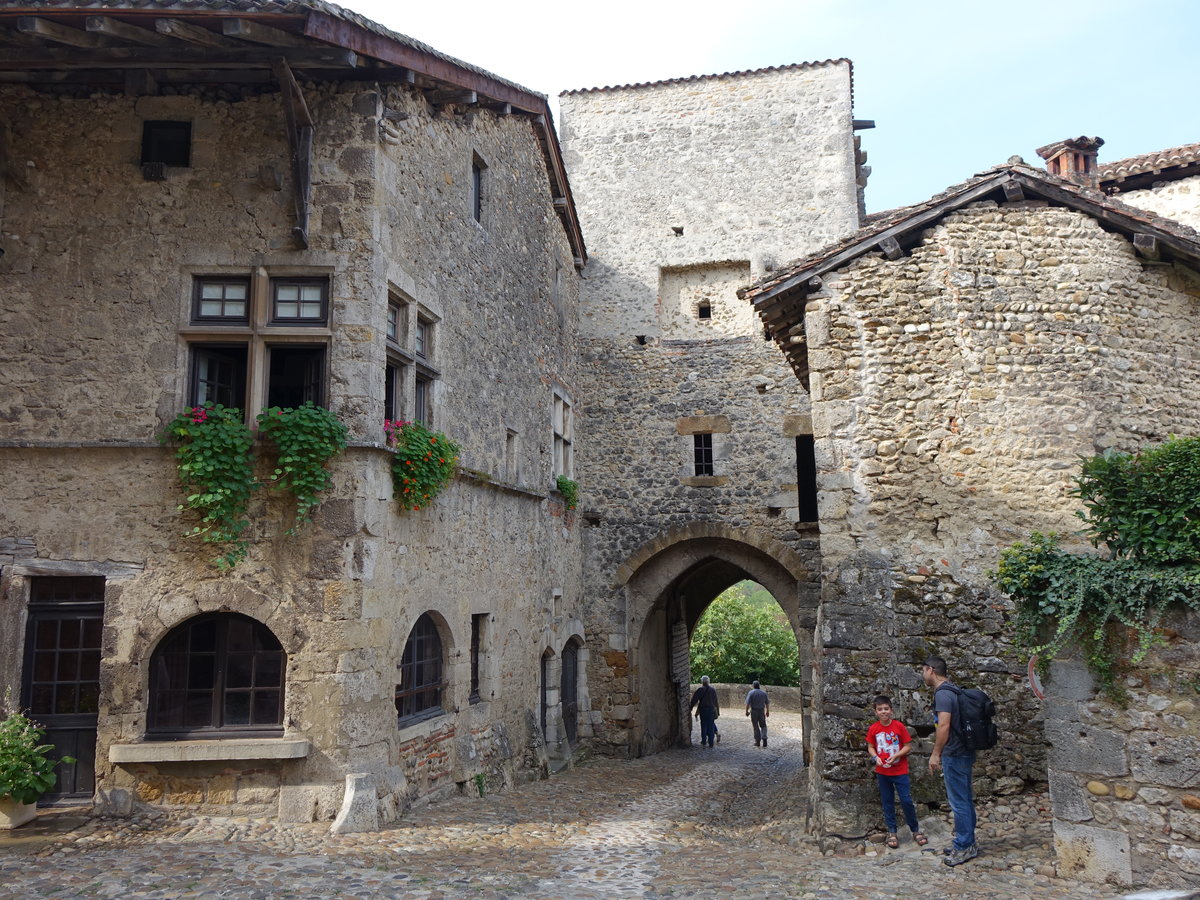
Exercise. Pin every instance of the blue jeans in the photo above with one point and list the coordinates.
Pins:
(889, 786)
(708, 721)
(956, 770)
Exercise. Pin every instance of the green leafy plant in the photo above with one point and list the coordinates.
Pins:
(217, 471)
(569, 490)
(1144, 510)
(424, 463)
(480, 783)
(307, 438)
(738, 641)
(26, 769)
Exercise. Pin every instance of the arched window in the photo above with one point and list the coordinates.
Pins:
(218, 675)
(419, 693)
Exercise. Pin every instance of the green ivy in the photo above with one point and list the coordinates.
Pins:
(569, 489)
(26, 769)
(424, 463)
(307, 438)
(1144, 509)
(217, 471)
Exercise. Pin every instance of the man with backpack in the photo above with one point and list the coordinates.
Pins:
(954, 758)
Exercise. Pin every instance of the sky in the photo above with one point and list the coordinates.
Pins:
(953, 87)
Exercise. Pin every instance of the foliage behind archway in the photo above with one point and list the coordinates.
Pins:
(744, 637)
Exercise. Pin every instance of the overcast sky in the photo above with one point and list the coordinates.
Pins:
(954, 86)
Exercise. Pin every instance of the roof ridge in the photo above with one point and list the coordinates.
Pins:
(689, 78)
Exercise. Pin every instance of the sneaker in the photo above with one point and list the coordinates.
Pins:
(718, 737)
(958, 857)
(764, 743)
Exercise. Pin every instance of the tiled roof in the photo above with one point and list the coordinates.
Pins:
(1150, 162)
(779, 297)
(251, 7)
(743, 73)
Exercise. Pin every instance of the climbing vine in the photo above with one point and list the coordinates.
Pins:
(217, 471)
(307, 438)
(424, 463)
(1143, 511)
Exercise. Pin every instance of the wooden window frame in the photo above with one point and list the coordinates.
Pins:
(562, 425)
(220, 690)
(198, 285)
(321, 321)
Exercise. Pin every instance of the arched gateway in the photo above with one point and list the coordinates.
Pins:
(666, 586)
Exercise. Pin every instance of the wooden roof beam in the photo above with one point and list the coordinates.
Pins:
(192, 34)
(107, 26)
(57, 33)
(447, 97)
(1146, 245)
(177, 59)
(256, 33)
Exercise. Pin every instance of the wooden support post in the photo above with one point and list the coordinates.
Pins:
(891, 247)
(115, 28)
(59, 34)
(300, 139)
(1146, 245)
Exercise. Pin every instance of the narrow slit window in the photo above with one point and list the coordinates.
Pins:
(703, 454)
(806, 478)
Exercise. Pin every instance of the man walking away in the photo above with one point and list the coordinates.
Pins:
(758, 708)
(954, 759)
(707, 707)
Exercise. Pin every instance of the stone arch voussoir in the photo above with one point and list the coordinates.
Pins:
(781, 553)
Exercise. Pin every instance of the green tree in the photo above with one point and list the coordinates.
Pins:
(738, 642)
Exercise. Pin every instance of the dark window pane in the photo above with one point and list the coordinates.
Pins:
(167, 142)
(268, 670)
(239, 671)
(237, 708)
(201, 673)
(89, 665)
(219, 376)
(240, 636)
(43, 666)
(64, 700)
(89, 698)
(42, 699)
(68, 666)
(203, 637)
(297, 376)
(266, 708)
(197, 710)
(47, 634)
(92, 633)
(168, 709)
(171, 670)
(69, 633)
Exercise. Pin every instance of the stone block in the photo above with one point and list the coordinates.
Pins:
(1169, 760)
(1068, 800)
(1088, 853)
(360, 807)
(1078, 747)
(1186, 858)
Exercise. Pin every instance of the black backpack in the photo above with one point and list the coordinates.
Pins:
(974, 722)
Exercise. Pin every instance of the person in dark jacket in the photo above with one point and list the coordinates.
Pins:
(707, 708)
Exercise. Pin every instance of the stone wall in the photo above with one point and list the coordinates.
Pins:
(98, 275)
(1178, 200)
(1124, 777)
(954, 391)
(686, 191)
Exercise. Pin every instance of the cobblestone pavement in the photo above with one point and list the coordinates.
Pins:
(697, 823)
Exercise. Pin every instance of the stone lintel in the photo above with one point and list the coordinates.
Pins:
(705, 480)
(205, 751)
(703, 425)
(794, 426)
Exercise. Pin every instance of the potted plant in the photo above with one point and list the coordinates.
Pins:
(26, 769)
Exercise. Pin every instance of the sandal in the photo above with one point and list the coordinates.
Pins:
(920, 839)
(892, 841)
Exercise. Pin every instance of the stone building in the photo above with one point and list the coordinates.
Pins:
(262, 203)
(698, 460)
(961, 355)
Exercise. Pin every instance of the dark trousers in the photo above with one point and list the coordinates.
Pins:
(758, 718)
(708, 720)
(889, 786)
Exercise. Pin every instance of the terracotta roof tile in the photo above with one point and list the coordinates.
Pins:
(1150, 162)
(742, 73)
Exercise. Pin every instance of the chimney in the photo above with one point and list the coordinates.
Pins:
(1073, 159)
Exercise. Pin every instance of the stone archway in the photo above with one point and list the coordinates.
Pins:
(667, 586)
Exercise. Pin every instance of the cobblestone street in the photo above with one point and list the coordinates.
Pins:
(726, 822)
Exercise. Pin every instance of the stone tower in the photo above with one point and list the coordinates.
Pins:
(695, 439)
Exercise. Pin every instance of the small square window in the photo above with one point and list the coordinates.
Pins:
(297, 376)
(169, 143)
(704, 310)
(299, 301)
(221, 300)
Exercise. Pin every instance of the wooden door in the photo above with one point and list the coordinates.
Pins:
(61, 681)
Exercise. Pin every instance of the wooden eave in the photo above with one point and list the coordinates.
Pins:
(780, 299)
(120, 48)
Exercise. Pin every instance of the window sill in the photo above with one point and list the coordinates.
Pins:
(705, 480)
(203, 751)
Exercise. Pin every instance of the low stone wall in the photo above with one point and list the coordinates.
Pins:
(733, 697)
(1125, 779)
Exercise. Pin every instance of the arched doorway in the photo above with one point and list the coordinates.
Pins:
(569, 695)
(672, 585)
